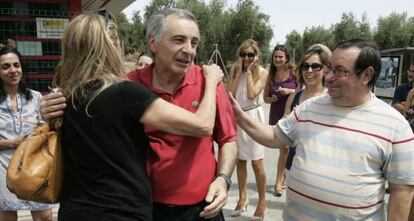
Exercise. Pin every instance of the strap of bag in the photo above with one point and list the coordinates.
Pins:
(56, 124)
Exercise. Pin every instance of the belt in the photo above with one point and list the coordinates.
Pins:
(251, 107)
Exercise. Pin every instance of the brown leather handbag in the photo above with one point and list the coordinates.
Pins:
(35, 171)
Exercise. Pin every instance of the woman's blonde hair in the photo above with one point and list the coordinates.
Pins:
(252, 43)
(88, 54)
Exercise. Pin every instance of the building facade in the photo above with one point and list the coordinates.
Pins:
(36, 28)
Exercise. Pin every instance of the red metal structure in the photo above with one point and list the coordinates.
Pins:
(37, 27)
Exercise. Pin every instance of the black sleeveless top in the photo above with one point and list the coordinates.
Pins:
(292, 150)
(295, 101)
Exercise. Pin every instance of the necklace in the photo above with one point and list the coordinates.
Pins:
(16, 125)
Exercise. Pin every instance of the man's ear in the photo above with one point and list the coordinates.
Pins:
(368, 74)
(152, 44)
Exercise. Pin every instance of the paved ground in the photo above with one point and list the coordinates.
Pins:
(274, 204)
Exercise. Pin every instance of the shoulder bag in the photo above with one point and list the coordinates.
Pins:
(35, 171)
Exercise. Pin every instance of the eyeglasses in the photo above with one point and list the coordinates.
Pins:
(314, 66)
(106, 14)
(249, 54)
(340, 72)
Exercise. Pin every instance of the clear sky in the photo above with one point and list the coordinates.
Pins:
(289, 15)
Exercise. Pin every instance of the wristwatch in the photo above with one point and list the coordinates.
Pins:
(226, 178)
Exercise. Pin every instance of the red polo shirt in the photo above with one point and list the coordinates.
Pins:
(181, 168)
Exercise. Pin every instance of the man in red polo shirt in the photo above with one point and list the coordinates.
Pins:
(187, 182)
(182, 169)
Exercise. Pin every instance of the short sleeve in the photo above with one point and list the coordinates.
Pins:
(137, 99)
(285, 128)
(133, 76)
(225, 129)
(399, 167)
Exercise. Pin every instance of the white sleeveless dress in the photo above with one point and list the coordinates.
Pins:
(248, 149)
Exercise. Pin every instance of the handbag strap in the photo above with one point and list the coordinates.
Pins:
(56, 124)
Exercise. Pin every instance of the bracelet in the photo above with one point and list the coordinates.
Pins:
(226, 178)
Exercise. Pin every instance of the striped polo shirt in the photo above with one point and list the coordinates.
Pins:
(343, 157)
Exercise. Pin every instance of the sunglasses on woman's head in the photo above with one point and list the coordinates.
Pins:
(106, 14)
(280, 48)
(249, 54)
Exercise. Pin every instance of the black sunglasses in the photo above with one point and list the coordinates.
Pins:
(249, 54)
(314, 66)
(316, 50)
(280, 48)
(106, 14)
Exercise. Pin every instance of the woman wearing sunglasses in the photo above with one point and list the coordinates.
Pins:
(281, 82)
(310, 74)
(247, 80)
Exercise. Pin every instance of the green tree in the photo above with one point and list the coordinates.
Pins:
(316, 35)
(365, 31)
(137, 33)
(156, 5)
(394, 31)
(346, 29)
(123, 30)
(246, 21)
(410, 28)
(219, 20)
(294, 44)
(217, 25)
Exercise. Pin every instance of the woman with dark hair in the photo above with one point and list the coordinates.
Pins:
(144, 60)
(19, 114)
(281, 82)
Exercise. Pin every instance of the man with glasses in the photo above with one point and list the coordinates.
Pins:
(348, 144)
(401, 92)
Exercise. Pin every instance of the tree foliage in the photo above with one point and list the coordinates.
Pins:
(156, 5)
(294, 45)
(395, 31)
(317, 34)
(246, 21)
(228, 27)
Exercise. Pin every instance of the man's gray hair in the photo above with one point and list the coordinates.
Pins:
(156, 22)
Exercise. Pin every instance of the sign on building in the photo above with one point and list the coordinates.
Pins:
(50, 27)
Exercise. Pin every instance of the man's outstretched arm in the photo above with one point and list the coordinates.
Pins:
(260, 132)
